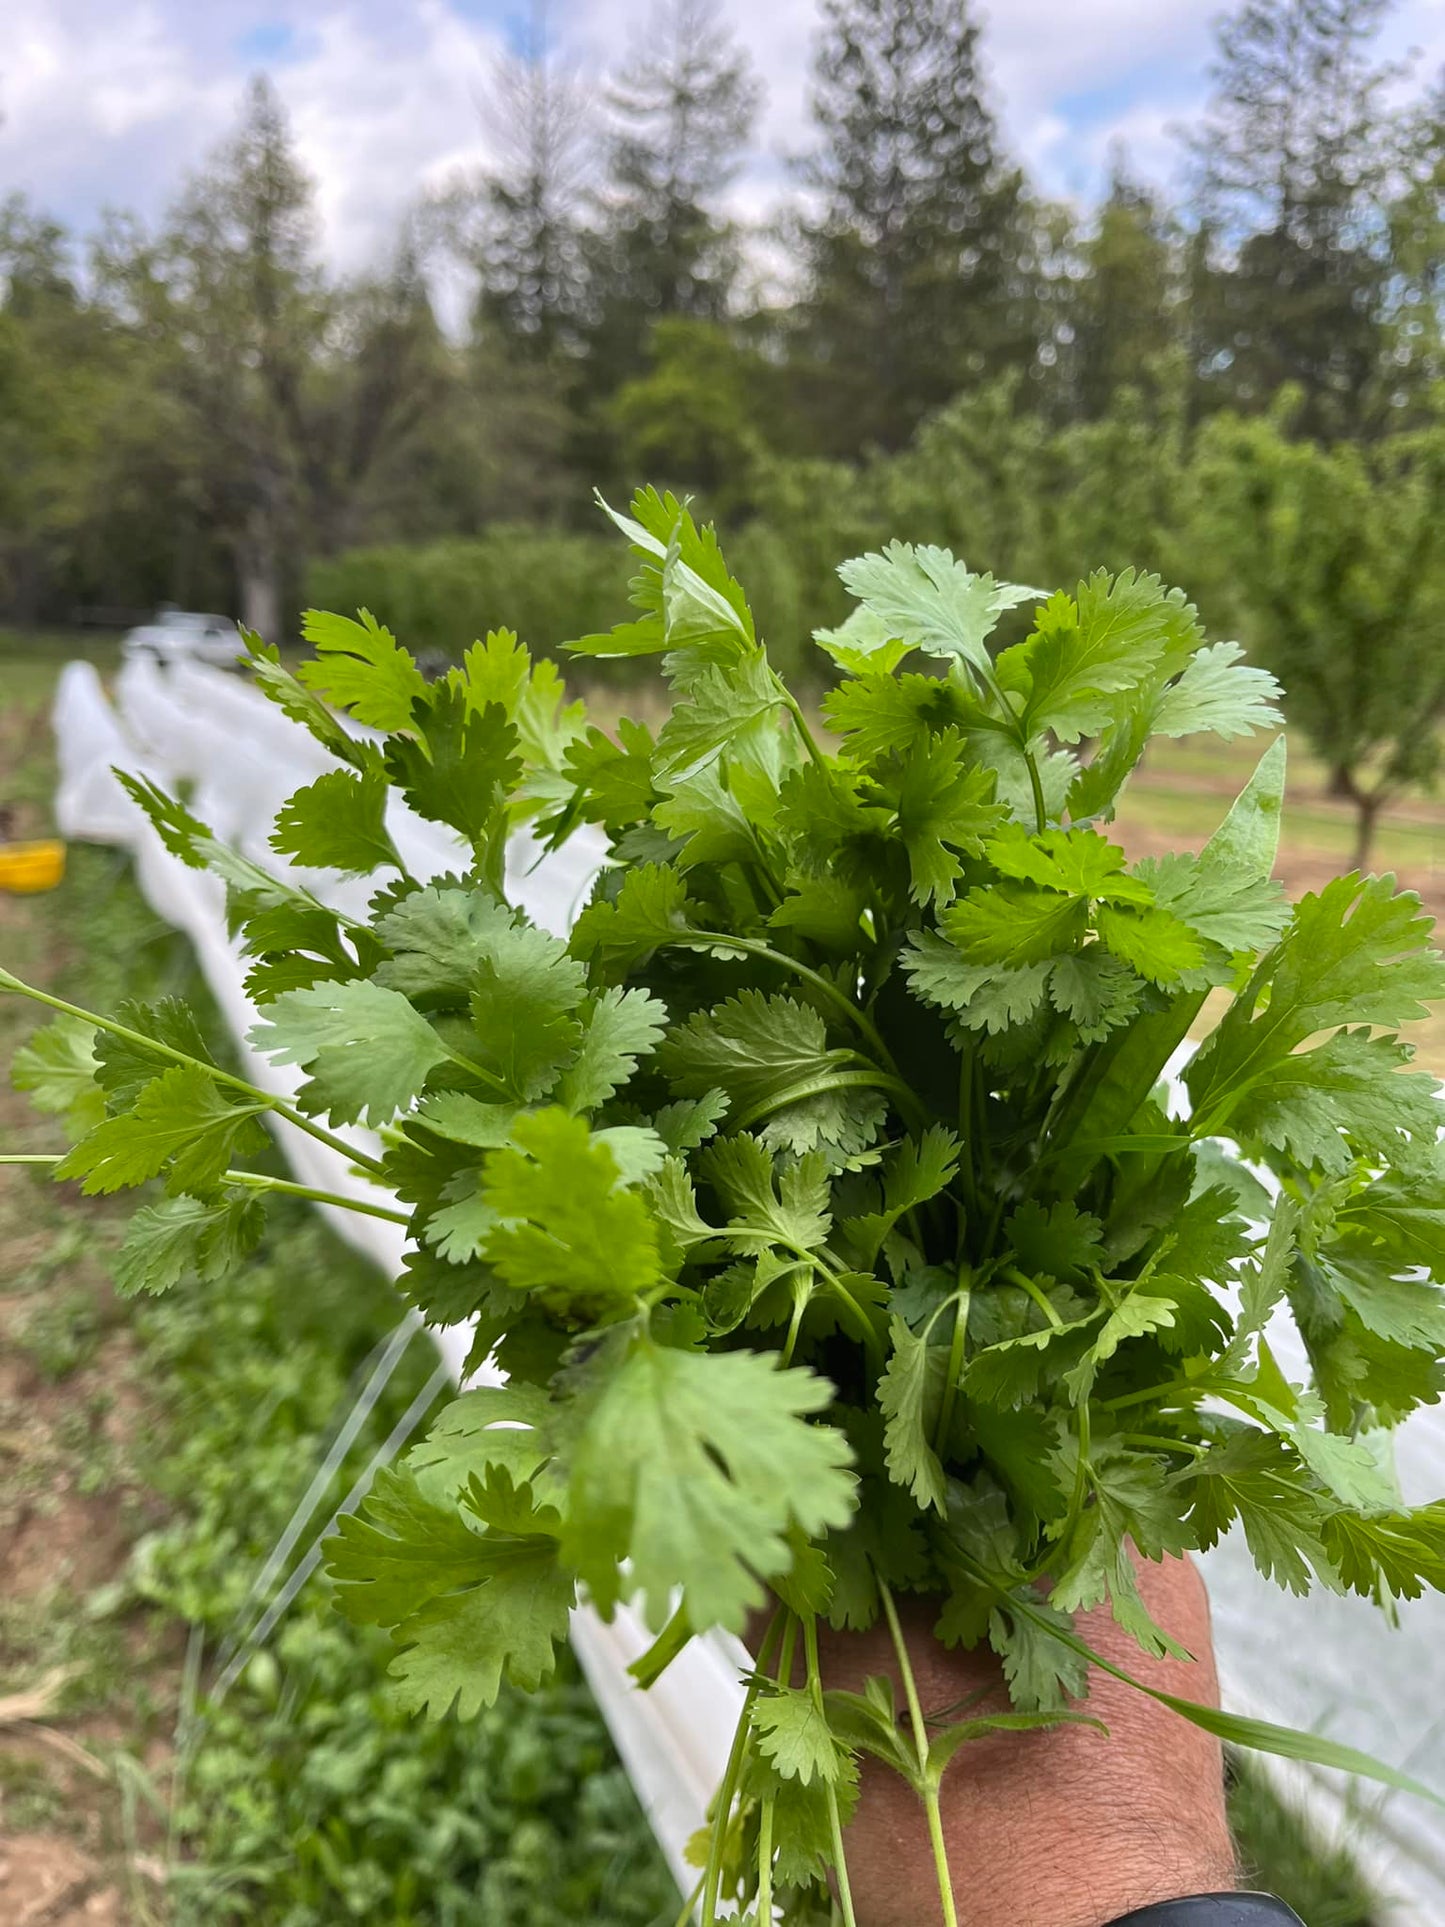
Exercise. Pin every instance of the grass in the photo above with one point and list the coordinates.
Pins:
(160, 1446)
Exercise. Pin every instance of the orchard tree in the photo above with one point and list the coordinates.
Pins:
(1332, 555)
(1299, 160)
(922, 256)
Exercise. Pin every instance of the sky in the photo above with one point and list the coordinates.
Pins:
(110, 102)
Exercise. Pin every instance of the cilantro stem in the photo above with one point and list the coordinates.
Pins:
(266, 1099)
(1036, 783)
(727, 1792)
(254, 1181)
(955, 1361)
(1025, 1283)
(835, 1824)
(833, 1280)
(260, 1181)
(765, 1863)
(690, 1904)
(1148, 1396)
(764, 1908)
(800, 721)
(926, 1781)
(868, 1078)
(1158, 1440)
(795, 1324)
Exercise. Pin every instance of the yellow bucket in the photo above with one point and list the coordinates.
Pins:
(25, 867)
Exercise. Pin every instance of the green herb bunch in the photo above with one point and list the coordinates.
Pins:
(819, 1194)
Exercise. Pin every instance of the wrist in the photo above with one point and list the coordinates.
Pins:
(1214, 1910)
(1104, 1880)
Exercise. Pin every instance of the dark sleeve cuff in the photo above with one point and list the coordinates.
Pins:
(1214, 1910)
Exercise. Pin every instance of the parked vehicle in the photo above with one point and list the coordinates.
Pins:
(180, 635)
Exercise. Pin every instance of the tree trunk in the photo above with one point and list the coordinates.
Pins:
(1367, 810)
(259, 587)
(258, 558)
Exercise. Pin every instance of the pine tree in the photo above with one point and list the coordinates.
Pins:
(922, 259)
(240, 296)
(681, 113)
(1299, 157)
(519, 225)
(1122, 311)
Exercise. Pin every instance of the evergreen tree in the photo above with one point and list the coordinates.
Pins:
(681, 113)
(518, 225)
(240, 298)
(923, 257)
(1299, 158)
(1122, 313)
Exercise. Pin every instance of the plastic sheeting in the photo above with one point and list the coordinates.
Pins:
(1331, 1666)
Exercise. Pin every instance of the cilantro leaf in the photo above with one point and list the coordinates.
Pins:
(1043, 1674)
(1220, 694)
(525, 998)
(793, 1733)
(1151, 942)
(466, 1608)
(620, 1027)
(909, 1397)
(180, 1124)
(359, 666)
(941, 809)
(565, 1228)
(437, 936)
(927, 598)
(1079, 862)
(882, 715)
(649, 911)
(369, 1053)
(1356, 952)
(208, 1236)
(488, 1428)
(338, 823)
(1218, 900)
(57, 1066)
(734, 710)
(763, 1208)
(758, 1049)
(124, 1066)
(461, 767)
(1091, 647)
(1015, 924)
(694, 1467)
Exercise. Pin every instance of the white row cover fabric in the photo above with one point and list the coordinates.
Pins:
(1331, 1666)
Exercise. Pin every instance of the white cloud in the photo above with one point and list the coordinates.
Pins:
(111, 101)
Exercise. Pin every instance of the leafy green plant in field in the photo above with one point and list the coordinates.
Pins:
(818, 1195)
(305, 1794)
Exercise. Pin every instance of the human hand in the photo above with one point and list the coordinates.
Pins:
(1065, 1827)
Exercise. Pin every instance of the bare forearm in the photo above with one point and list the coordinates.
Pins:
(1061, 1828)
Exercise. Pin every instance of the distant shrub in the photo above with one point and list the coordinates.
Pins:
(547, 585)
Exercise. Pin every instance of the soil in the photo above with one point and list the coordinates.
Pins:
(71, 1508)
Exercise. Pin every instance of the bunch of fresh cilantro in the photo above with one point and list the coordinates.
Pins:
(819, 1195)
